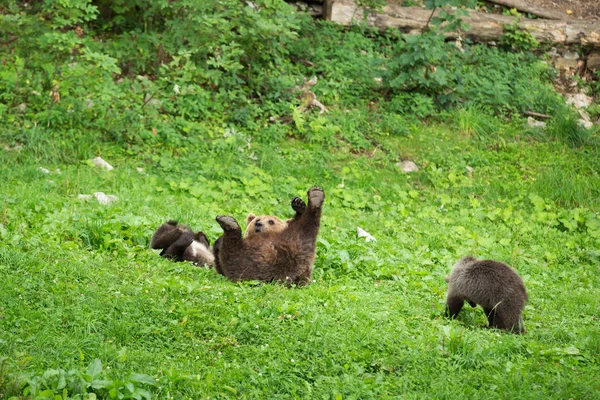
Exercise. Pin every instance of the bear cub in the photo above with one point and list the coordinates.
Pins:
(272, 251)
(263, 224)
(180, 243)
(493, 285)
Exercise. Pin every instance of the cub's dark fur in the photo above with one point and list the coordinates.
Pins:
(285, 255)
(180, 243)
(491, 284)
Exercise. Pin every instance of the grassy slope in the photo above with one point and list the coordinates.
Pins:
(79, 282)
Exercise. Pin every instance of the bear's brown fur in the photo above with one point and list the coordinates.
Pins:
(297, 205)
(285, 255)
(180, 243)
(263, 224)
(491, 284)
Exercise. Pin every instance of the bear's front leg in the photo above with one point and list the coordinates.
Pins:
(307, 224)
(453, 306)
(299, 206)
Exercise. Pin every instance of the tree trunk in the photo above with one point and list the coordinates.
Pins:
(484, 27)
(540, 11)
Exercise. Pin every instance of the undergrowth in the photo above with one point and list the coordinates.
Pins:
(196, 105)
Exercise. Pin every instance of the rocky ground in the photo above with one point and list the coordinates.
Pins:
(579, 9)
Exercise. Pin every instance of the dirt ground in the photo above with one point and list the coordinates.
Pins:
(581, 9)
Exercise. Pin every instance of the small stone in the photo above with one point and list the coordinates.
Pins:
(593, 61)
(408, 166)
(105, 198)
(579, 100)
(98, 161)
(571, 55)
(470, 171)
(535, 123)
(565, 63)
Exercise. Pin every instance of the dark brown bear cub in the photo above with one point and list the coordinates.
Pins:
(285, 255)
(261, 225)
(180, 243)
(491, 284)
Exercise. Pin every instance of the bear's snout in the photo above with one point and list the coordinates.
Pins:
(258, 226)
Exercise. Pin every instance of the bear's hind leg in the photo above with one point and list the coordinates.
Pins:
(164, 236)
(232, 233)
(229, 224)
(230, 243)
(316, 196)
(177, 249)
(509, 319)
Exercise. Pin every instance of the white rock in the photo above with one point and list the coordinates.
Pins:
(44, 170)
(408, 166)
(571, 55)
(535, 123)
(105, 198)
(84, 196)
(98, 161)
(362, 233)
(579, 100)
(586, 124)
(14, 148)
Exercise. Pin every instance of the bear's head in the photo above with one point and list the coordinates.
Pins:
(263, 224)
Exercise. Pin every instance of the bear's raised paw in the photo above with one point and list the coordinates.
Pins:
(227, 223)
(316, 196)
(298, 205)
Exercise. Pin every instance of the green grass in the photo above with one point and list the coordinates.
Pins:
(80, 283)
(88, 310)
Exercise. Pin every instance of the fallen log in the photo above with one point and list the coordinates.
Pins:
(484, 27)
(525, 6)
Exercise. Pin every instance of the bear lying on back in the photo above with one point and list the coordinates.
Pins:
(491, 284)
(285, 255)
(180, 243)
(260, 225)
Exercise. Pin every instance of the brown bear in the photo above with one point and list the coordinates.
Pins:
(286, 255)
(261, 225)
(180, 243)
(491, 284)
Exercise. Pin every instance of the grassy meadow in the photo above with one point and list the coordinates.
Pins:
(88, 310)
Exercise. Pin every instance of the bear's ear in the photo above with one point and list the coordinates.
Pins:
(249, 218)
(447, 278)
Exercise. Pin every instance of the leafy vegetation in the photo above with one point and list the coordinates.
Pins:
(195, 103)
